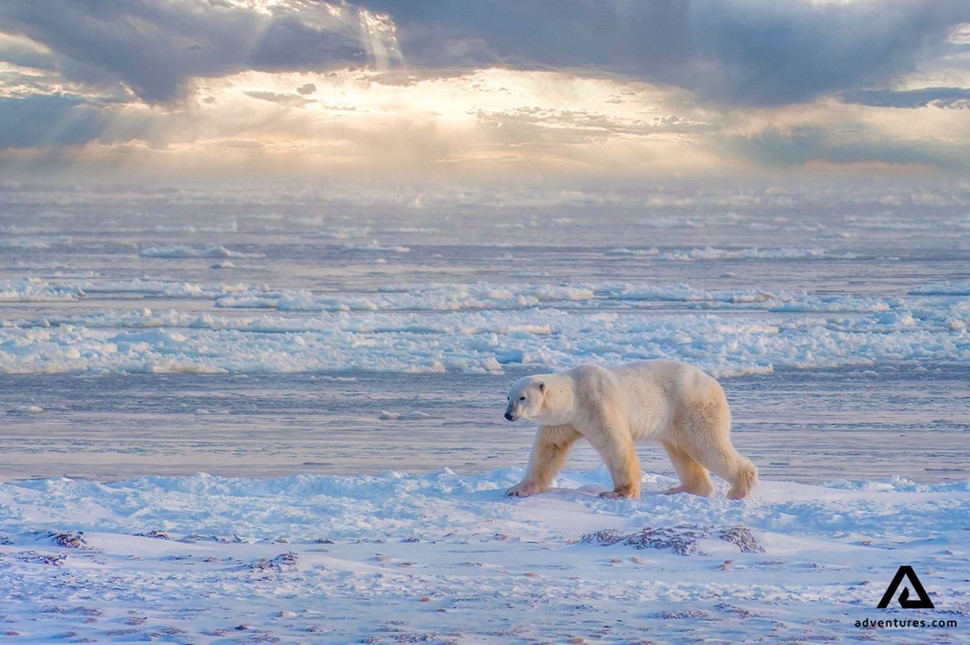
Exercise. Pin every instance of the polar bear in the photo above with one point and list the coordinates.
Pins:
(673, 403)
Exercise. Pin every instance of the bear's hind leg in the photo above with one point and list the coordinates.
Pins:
(728, 464)
(552, 444)
(745, 480)
(693, 476)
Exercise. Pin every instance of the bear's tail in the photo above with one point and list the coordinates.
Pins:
(745, 479)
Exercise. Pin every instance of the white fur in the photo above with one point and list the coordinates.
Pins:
(673, 403)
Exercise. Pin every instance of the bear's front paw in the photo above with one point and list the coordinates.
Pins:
(523, 489)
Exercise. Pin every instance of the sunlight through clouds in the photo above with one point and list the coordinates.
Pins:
(485, 120)
(294, 89)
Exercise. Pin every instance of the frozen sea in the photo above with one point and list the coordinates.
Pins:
(190, 378)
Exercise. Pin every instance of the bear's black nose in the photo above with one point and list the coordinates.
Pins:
(508, 415)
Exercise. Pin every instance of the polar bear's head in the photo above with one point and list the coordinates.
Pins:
(526, 398)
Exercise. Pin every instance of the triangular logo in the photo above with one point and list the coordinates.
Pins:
(907, 572)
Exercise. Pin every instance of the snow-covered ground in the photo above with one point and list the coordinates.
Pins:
(446, 558)
(337, 364)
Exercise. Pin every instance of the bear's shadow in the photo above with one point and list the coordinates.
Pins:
(592, 490)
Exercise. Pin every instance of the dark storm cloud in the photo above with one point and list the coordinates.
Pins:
(636, 38)
(785, 52)
(155, 46)
(725, 51)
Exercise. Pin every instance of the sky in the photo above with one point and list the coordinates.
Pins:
(549, 91)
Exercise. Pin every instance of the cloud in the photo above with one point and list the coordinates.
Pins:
(286, 100)
(533, 125)
(636, 38)
(22, 52)
(156, 47)
(743, 52)
(449, 86)
(738, 52)
(944, 97)
(806, 146)
(776, 53)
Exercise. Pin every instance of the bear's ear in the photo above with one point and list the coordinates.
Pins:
(542, 386)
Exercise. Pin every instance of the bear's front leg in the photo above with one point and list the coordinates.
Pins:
(615, 446)
(627, 486)
(549, 450)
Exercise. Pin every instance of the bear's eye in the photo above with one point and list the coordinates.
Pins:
(522, 398)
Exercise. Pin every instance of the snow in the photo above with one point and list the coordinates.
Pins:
(36, 290)
(442, 557)
(337, 361)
